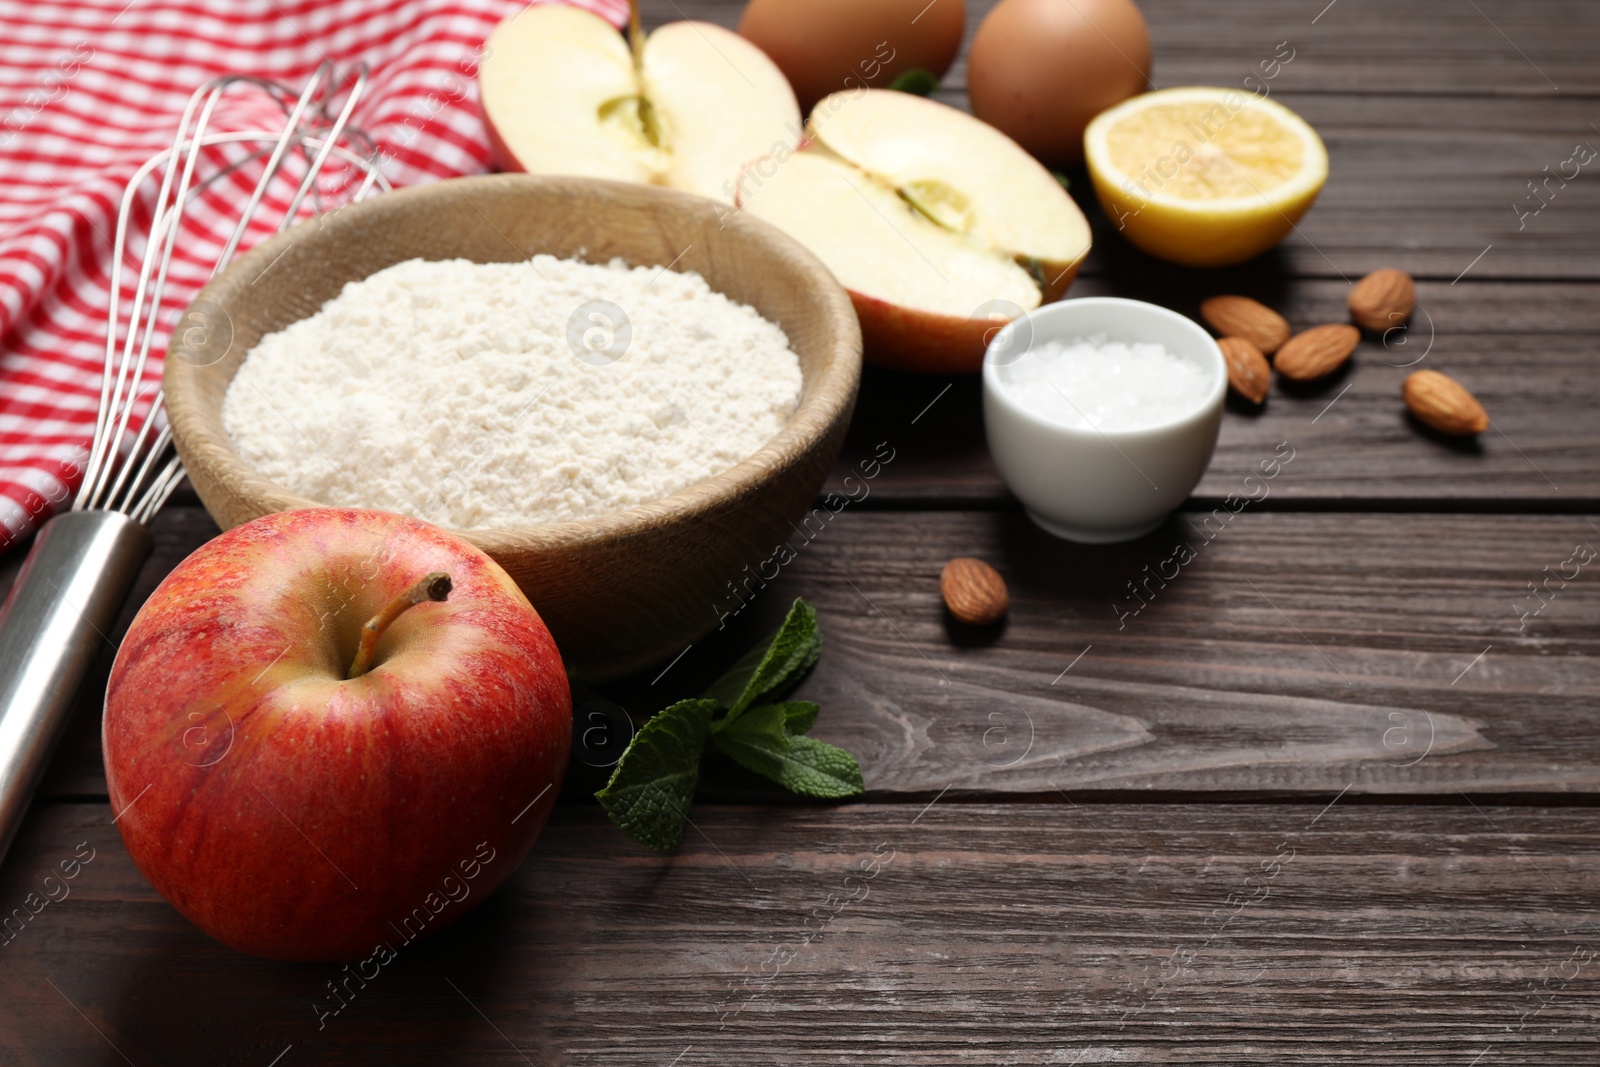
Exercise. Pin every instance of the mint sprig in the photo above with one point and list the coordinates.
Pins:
(773, 667)
(653, 784)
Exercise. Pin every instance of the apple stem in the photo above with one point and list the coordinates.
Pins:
(435, 586)
(635, 34)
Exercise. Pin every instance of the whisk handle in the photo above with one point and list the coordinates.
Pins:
(65, 601)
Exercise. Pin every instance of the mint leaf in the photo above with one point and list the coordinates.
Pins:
(769, 721)
(919, 81)
(819, 769)
(788, 718)
(649, 793)
(773, 666)
(799, 716)
(759, 740)
(727, 690)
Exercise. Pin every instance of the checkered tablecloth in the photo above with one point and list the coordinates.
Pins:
(91, 89)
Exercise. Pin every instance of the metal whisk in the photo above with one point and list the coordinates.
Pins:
(84, 561)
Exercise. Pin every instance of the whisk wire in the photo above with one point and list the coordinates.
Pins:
(112, 404)
(164, 236)
(335, 131)
(164, 233)
(161, 488)
(279, 150)
(139, 484)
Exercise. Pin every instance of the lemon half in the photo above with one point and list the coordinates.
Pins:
(1204, 176)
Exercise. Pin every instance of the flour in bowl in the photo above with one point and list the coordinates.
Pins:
(507, 394)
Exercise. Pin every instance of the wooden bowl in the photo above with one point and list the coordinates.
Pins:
(619, 591)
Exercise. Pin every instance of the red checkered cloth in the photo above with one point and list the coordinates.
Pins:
(91, 89)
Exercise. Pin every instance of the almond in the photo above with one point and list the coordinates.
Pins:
(1441, 402)
(1383, 299)
(973, 591)
(1239, 316)
(1316, 352)
(1249, 373)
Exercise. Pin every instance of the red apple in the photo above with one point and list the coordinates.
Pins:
(293, 812)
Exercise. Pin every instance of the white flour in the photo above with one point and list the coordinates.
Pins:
(455, 392)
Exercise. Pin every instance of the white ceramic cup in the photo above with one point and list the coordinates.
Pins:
(1092, 485)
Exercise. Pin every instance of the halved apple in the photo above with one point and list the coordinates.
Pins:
(687, 106)
(940, 226)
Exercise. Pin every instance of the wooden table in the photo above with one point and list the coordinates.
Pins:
(1328, 796)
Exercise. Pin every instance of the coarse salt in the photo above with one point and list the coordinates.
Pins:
(508, 394)
(1096, 383)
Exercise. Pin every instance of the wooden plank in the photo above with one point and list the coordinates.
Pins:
(891, 934)
(1296, 652)
(1525, 349)
(1374, 47)
(1433, 145)
(1348, 46)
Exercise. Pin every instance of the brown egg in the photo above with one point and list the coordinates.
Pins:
(1039, 70)
(824, 46)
